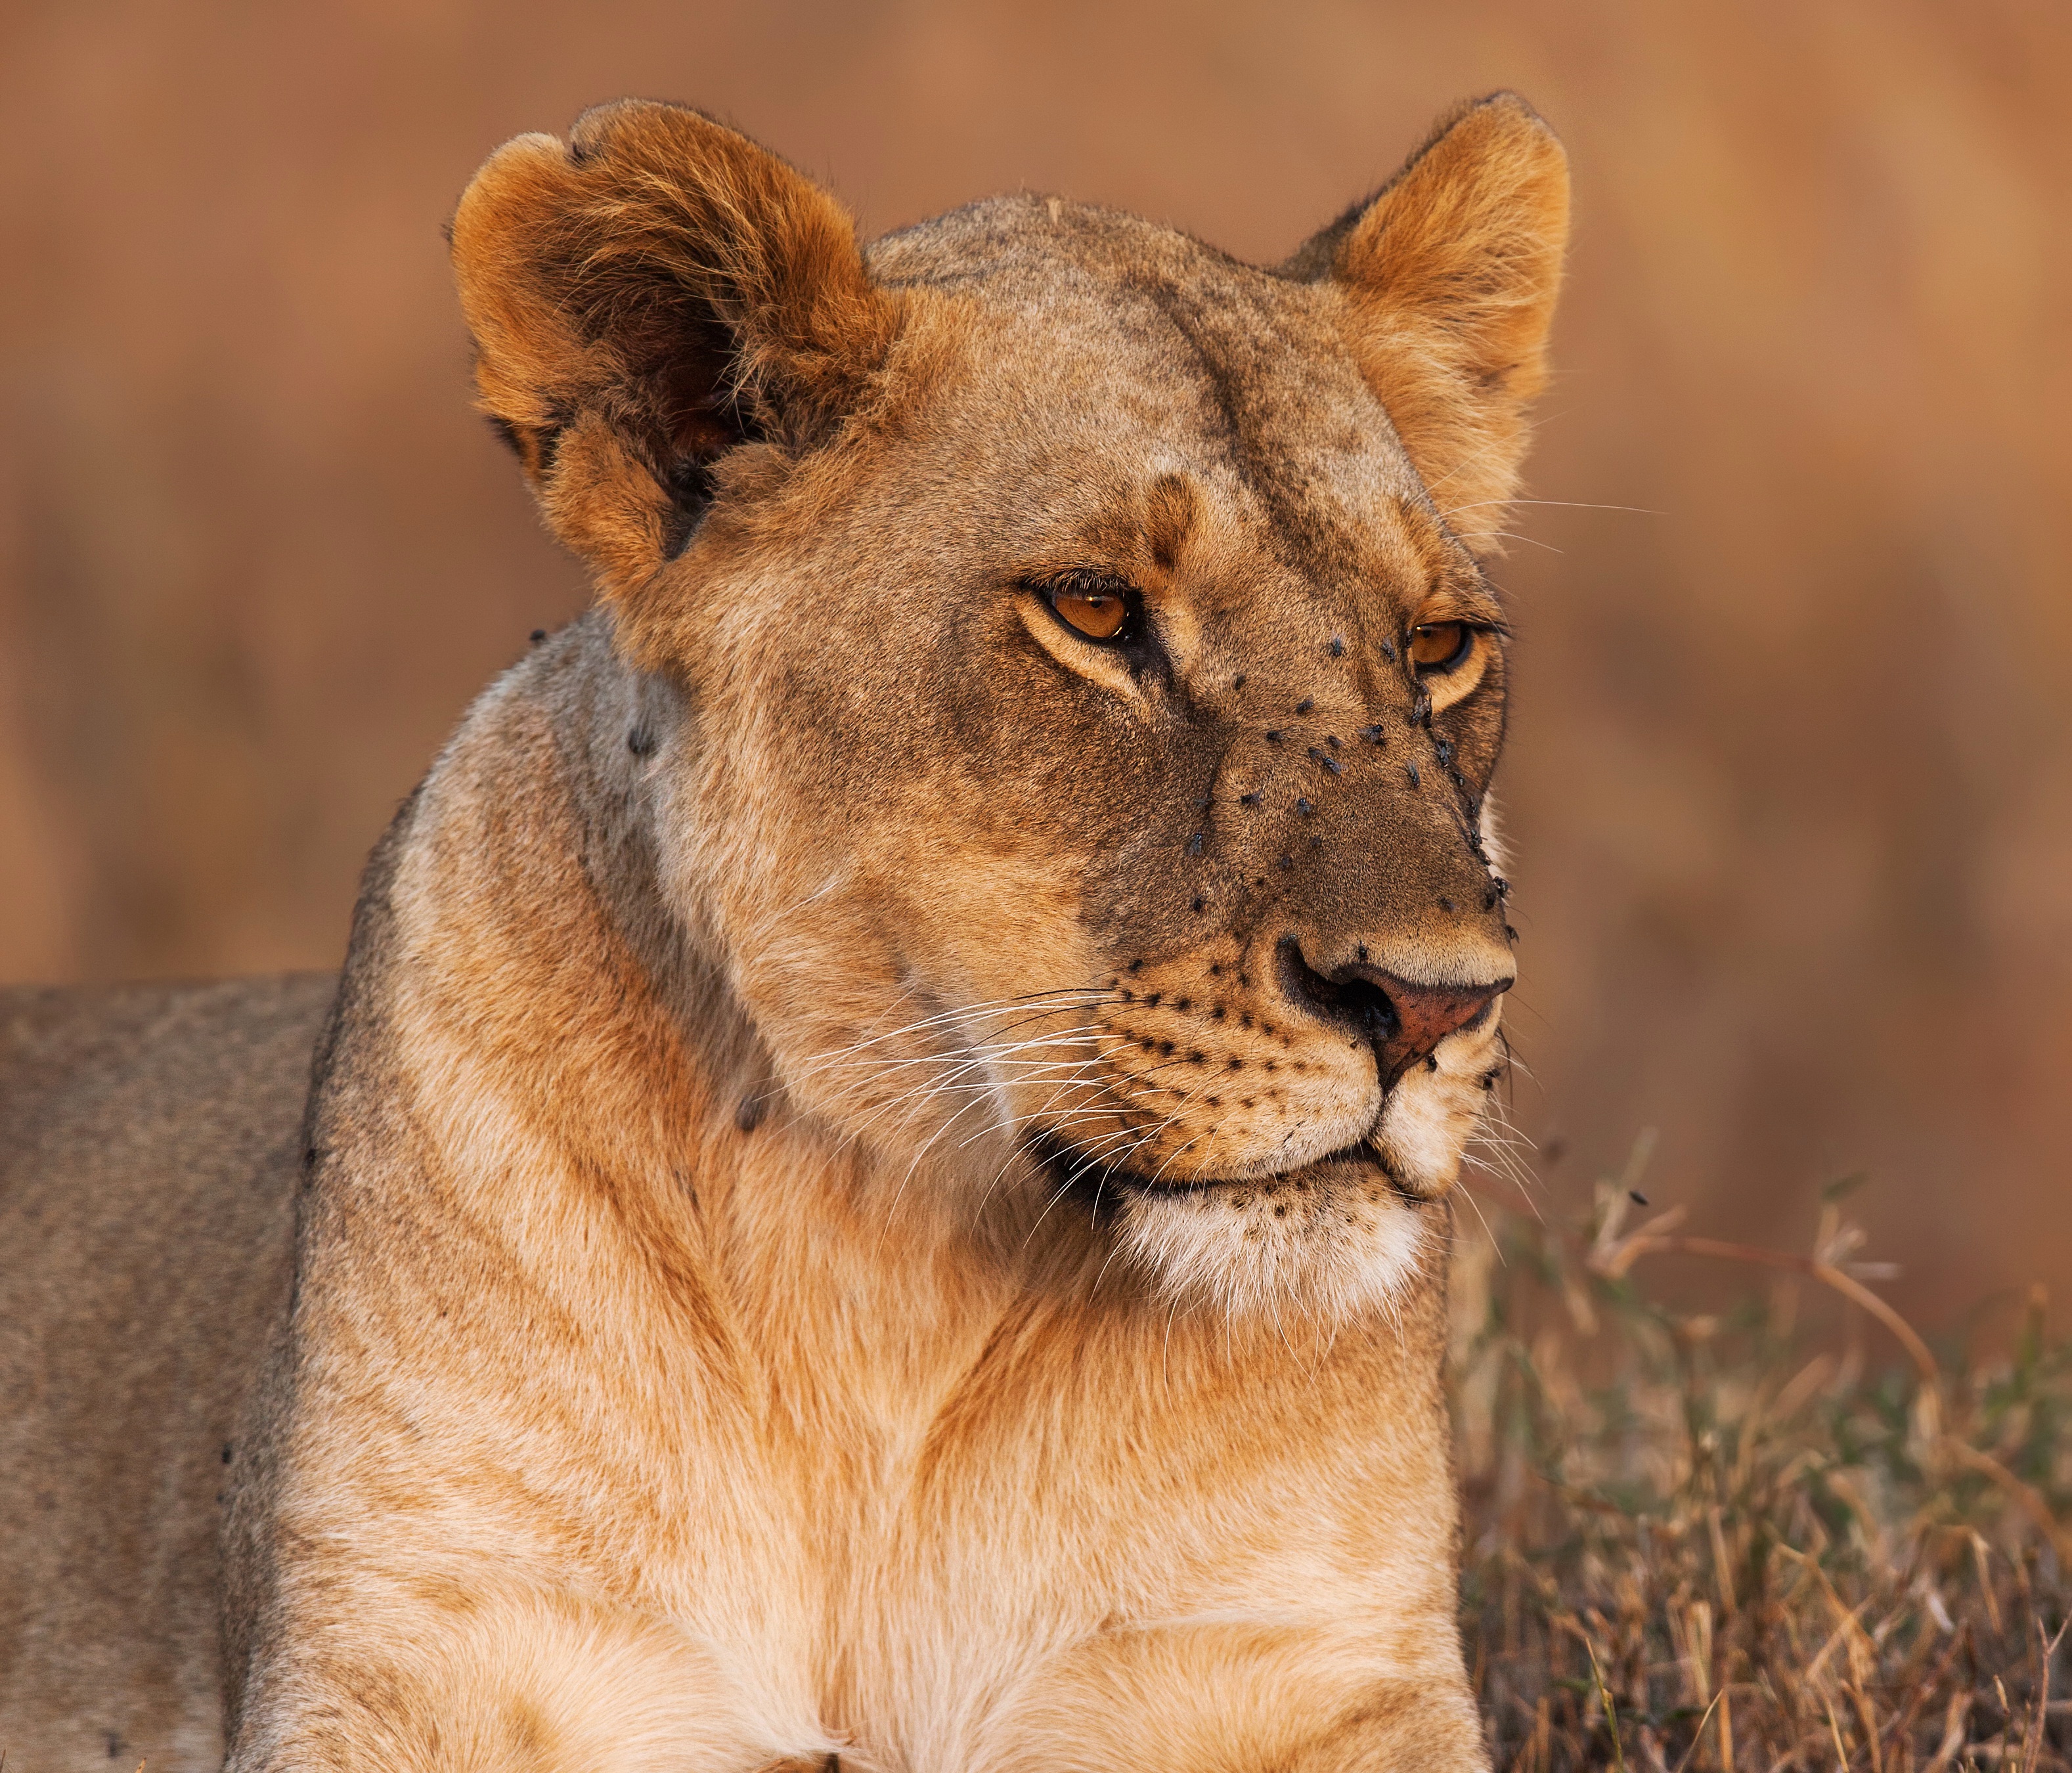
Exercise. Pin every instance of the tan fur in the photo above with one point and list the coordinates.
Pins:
(876, 1189)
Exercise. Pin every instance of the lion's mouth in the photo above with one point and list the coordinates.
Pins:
(1106, 1186)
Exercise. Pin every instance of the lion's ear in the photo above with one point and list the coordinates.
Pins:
(644, 298)
(1450, 274)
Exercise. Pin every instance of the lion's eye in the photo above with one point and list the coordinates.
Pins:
(1099, 615)
(1440, 645)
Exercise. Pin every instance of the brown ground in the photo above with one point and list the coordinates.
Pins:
(1792, 780)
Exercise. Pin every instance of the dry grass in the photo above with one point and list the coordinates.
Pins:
(1735, 1540)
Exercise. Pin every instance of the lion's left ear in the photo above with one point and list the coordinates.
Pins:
(1450, 274)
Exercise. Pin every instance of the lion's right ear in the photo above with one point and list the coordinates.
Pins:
(645, 298)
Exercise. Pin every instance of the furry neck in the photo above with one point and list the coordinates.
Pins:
(582, 1078)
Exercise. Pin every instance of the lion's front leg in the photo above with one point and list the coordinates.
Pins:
(539, 1682)
(1241, 1698)
(1403, 1725)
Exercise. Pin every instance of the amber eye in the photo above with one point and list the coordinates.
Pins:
(1099, 615)
(1440, 645)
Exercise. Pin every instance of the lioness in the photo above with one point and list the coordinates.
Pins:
(875, 1187)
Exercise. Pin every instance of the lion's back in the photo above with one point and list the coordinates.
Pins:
(148, 1154)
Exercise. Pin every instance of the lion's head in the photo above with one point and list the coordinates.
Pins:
(1083, 688)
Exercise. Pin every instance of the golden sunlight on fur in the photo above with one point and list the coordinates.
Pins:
(876, 1191)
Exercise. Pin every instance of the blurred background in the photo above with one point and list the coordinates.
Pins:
(1791, 777)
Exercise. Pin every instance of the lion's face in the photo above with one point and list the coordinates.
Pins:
(1087, 740)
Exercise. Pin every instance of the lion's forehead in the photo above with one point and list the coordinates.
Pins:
(1133, 352)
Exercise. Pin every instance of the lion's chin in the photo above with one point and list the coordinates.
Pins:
(1330, 1240)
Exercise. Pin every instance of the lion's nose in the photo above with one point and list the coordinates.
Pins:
(1405, 1019)
(1425, 1014)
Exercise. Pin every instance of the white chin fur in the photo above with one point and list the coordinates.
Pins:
(1423, 1132)
(1328, 1245)
(1328, 1241)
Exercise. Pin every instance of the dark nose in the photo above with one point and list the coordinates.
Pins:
(1404, 1020)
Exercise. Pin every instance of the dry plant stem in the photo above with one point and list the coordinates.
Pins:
(1605, 1699)
(1698, 1736)
(1624, 1254)
(2031, 1501)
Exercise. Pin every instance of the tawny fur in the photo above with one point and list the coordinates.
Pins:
(148, 1158)
(848, 1206)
